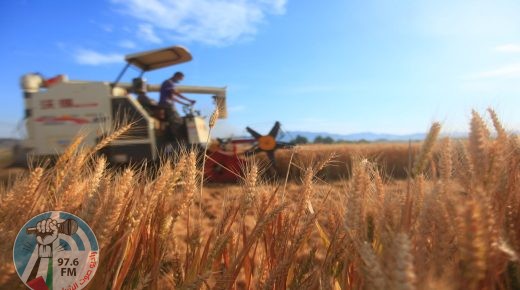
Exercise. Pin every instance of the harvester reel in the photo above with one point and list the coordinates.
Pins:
(267, 143)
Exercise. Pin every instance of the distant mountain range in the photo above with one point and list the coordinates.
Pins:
(367, 136)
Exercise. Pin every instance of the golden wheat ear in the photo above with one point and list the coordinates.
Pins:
(251, 181)
(116, 134)
(426, 149)
(121, 128)
(446, 161)
(499, 128)
(479, 145)
(372, 270)
(402, 274)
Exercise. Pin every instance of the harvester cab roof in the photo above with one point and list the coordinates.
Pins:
(159, 58)
(156, 59)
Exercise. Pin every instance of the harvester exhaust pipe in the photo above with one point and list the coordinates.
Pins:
(30, 84)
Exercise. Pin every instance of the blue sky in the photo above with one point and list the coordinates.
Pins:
(341, 67)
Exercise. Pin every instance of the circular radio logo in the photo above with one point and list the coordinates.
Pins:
(56, 250)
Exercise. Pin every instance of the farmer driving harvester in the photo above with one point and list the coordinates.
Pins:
(168, 96)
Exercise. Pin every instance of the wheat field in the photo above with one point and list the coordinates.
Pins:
(441, 214)
(392, 158)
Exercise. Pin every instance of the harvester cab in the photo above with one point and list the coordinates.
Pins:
(57, 109)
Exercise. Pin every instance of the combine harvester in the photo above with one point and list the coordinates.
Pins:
(57, 109)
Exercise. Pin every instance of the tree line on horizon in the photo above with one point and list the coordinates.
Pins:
(300, 140)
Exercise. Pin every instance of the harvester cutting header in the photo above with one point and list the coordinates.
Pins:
(57, 109)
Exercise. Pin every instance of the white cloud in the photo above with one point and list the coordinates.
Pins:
(105, 27)
(277, 6)
(237, 108)
(507, 71)
(215, 22)
(90, 57)
(515, 48)
(127, 44)
(467, 18)
(145, 31)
